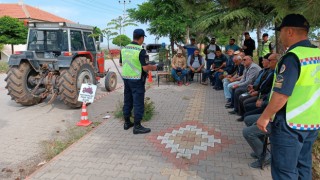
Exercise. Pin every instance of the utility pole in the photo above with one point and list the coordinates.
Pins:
(124, 2)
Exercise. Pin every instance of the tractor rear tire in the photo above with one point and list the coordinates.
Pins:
(110, 81)
(80, 71)
(18, 87)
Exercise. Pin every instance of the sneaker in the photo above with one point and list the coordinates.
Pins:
(229, 106)
(240, 119)
(179, 83)
(187, 84)
(204, 82)
(258, 164)
(253, 155)
(232, 112)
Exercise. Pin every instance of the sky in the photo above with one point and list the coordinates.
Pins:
(91, 12)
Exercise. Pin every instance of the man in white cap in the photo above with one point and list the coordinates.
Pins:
(179, 66)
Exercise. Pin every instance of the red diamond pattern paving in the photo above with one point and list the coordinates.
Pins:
(188, 142)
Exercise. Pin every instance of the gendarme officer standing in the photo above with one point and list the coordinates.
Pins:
(294, 104)
(134, 77)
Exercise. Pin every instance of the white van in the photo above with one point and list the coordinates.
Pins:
(153, 52)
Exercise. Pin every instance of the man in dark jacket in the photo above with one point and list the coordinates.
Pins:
(249, 45)
(210, 52)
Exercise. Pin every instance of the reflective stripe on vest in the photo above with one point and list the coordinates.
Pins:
(302, 109)
(131, 66)
(264, 50)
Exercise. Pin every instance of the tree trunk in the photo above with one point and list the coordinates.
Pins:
(279, 48)
(247, 25)
(172, 46)
(12, 49)
(259, 39)
(239, 40)
(186, 40)
(108, 39)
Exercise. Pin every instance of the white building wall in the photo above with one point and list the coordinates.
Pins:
(6, 51)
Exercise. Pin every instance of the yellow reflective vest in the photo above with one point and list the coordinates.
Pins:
(264, 49)
(131, 66)
(303, 106)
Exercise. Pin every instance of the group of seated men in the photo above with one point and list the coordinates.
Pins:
(195, 64)
(216, 63)
(247, 94)
(246, 88)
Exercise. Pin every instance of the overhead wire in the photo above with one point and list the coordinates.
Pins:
(105, 4)
(103, 8)
(87, 6)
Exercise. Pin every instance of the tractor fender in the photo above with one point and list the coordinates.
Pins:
(65, 61)
(86, 54)
(15, 60)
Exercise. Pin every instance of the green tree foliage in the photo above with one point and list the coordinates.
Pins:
(12, 31)
(120, 23)
(109, 35)
(165, 18)
(255, 15)
(121, 40)
(193, 10)
(233, 17)
(96, 33)
(304, 7)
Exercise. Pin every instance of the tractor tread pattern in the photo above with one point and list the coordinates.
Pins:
(110, 77)
(68, 82)
(16, 84)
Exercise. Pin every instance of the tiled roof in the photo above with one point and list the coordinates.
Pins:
(28, 12)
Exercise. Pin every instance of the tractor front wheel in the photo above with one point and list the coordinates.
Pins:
(71, 79)
(110, 81)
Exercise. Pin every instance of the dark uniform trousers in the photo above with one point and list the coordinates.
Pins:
(291, 151)
(134, 90)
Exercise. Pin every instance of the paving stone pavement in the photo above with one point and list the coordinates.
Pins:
(23, 129)
(193, 137)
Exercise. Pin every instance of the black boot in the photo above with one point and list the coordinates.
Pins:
(127, 123)
(139, 129)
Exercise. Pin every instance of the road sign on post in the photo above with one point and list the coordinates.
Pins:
(87, 93)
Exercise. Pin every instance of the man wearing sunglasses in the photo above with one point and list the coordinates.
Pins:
(250, 73)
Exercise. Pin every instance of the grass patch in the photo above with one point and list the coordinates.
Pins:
(3, 67)
(149, 109)
(56, 146)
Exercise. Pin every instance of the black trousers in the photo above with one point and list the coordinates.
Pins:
(243, 100)
(251, 109)
(260, 62)
(237, 93)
